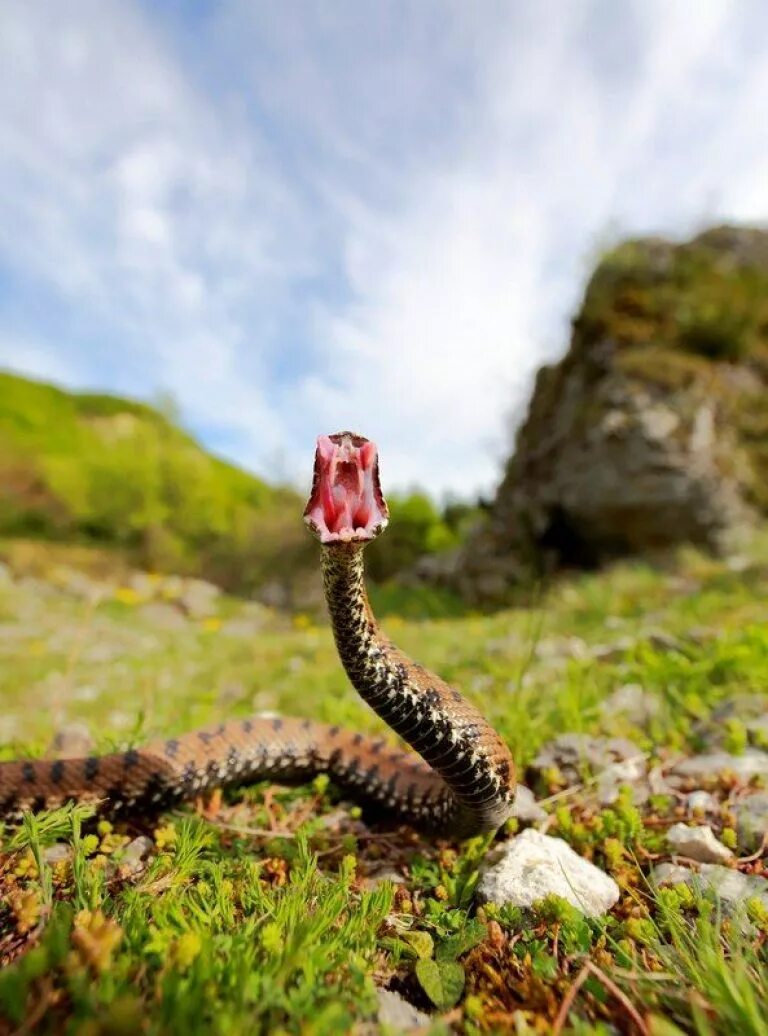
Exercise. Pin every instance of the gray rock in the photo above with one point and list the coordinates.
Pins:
(398, 1014)
(751, 763)
(579, 755)
(731, 887)
(752, 819)
(57, 853)
(526, 808)
(697, 843)
(670, 874)
(199, 598)
(633, 701)
(532, 866)
(702, 802)
(132, 857)
(749, 711)
(615, 455)
(373, 881)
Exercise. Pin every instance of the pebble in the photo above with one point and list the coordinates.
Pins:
(133, 855)
(397, 1013)
(526, 808)
(532, 866)
(576, 755)
(633, 701)
(752, 819)
(751, 763)
(702, 802)
(57, 853)
(697, 843)
(730, 886)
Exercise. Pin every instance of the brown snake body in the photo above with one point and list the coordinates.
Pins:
(462, 784)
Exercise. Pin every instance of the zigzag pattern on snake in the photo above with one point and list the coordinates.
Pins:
(462, 780)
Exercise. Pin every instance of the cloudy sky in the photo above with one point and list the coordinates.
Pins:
(303, 216)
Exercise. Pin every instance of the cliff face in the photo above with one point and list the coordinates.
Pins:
(653, 429)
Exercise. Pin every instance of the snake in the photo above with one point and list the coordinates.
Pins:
(459, 780)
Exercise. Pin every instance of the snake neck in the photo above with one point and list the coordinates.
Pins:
(445, 729)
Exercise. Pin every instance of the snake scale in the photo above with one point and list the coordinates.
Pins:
(462, 780)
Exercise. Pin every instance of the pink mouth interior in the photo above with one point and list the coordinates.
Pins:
(346, 502)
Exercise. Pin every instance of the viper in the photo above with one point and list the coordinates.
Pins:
(459, 780)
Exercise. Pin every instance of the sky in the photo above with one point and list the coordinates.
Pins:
(300, 217)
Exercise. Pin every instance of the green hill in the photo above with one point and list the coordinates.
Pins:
(97, 469)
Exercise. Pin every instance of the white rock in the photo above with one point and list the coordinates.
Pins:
(526, 808)
(670, 874)
(398, 1014)
(697, 843)
(702, 802)
(532, 866)
(134, 854)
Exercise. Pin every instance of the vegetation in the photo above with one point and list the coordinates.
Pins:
(111, 473)
(271, 909)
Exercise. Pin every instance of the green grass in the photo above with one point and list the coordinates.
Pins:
(263, 913)
(115, 473)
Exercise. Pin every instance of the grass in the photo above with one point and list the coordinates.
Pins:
(266, 911)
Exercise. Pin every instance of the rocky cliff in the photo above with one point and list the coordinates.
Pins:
(653, 429)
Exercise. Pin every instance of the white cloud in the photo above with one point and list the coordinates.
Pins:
(377, 216)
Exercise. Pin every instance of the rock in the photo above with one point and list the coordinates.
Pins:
(398, 1014)
(59, 852)
(6, 576)
(372, 881)
(731, 887)
(532, 866)
(71, 740)
(132, 857)
(697, 843)
(199, 598)
(163, 616)
(633, 701)
(526, 808)
(633, 441)
(670, 874)
(752, 820)
(702, 802)
(578, 755)
(747, 711)
(751, 763)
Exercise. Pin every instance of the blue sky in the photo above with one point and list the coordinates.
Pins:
(304, 216)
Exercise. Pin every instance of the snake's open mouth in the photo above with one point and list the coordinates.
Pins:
(346, 504)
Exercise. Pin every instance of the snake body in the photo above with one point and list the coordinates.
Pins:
(461, 782)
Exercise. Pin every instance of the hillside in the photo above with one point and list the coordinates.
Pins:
(110, 472)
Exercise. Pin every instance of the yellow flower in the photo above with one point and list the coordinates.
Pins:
(126, 595)
(95, 938)
(211, 624)
(165, 836)
(186, 948)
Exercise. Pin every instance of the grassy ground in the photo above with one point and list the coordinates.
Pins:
(267, 911)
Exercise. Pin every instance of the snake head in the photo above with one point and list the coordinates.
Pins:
(346, 504)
